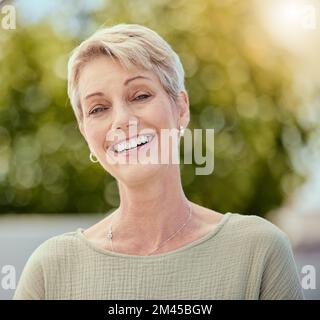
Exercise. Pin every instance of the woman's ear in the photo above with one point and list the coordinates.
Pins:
(184, 109)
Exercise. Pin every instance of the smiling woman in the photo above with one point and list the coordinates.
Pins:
(126, 85)
(111, 98)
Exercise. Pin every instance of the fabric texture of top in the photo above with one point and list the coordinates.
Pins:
(243, 257)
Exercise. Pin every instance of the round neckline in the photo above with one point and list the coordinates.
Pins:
(217, 228)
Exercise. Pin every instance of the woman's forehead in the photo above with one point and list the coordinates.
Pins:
(99, 74)
(105, 67)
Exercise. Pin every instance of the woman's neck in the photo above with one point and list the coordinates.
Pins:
(148, 215)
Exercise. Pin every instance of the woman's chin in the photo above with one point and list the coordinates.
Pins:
(136, 173)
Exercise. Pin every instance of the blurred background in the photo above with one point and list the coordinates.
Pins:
(252, 74)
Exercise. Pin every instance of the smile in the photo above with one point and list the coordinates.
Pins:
(132, 143)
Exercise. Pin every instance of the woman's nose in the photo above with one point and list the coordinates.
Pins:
(122, 115)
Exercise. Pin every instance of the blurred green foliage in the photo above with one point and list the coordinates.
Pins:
(238, 83)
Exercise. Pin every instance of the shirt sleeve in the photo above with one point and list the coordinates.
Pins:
(31, 282)
(280, 279)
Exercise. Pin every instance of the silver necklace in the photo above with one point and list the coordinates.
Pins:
(110, 234)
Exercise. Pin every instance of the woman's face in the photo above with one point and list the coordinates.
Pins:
(118, 104)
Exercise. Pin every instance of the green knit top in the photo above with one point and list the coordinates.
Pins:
(243, 257)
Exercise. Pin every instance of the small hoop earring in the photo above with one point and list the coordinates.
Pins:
(92, 159)
(181, 131)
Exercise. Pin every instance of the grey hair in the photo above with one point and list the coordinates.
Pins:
(132, 45)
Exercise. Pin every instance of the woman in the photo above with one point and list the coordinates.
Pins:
(157, 244)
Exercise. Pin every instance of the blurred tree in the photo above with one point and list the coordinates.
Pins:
(238, 83)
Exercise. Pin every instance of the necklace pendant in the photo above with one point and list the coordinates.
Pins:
(109, 235)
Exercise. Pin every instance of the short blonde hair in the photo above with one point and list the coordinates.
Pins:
(132, 45)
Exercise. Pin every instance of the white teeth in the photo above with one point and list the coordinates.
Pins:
(132, 143)
(142, 139)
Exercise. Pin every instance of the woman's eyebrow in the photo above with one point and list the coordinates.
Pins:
(101, 94)
(134, 78)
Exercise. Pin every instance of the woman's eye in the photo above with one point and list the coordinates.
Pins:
(97, 110)
(142, 95)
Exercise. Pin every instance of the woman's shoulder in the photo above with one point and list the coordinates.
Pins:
(56, 246)
(256, 230)
(43, 261)
(269, 252)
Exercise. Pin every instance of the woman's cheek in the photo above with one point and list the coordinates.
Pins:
(164, 113)
(96, 139)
